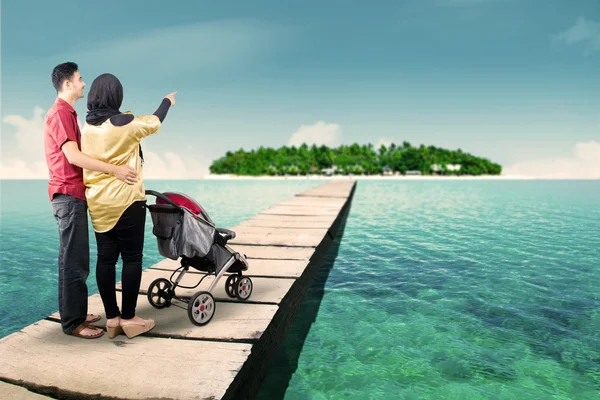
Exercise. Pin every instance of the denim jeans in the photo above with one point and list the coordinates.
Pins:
(73, 259)
(126, 239)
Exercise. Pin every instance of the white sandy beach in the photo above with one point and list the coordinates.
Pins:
(340, 177)
(373, 177)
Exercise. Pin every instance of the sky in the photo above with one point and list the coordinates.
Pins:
(515, 81)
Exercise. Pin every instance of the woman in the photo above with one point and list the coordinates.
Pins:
(118, 210)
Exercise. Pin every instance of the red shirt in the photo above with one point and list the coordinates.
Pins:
(61, 125)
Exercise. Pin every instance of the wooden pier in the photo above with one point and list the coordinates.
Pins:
(226, 359)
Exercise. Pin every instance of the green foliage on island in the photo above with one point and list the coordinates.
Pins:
(354, 159)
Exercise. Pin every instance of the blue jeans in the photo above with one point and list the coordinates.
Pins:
(73, 260)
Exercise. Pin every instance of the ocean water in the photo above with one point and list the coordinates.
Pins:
(437, 289)
(454, 290)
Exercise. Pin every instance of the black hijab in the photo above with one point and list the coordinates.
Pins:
(104, 100)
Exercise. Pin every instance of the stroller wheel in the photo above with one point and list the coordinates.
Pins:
(243, 288)
(230, 285)
(201, 308)
(160, 293)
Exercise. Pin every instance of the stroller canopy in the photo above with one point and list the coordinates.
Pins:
(183, 200)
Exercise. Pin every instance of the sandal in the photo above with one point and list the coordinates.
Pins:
(114, 330)
(133, 330)
(84, 325)
(91, 318)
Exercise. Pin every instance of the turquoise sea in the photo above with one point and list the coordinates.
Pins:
(437, 289)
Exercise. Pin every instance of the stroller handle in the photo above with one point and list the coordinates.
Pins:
(228, 234)
(165, 198)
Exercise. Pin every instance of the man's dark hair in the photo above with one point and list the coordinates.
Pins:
(63, 72)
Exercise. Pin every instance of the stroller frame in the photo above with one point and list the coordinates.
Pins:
(202, 306)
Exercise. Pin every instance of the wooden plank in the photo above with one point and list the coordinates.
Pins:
(285, 220)
(311, 207)
(231, 321)
(275, 223)
(273, 252)
(339, 189)
(266, 290)
(278, 236)
(326, 195)
(273, 237)
(242, 230)
(316, 202)
(306, 211)
(143, 367)
(272, 268)
(14, 392)
(288, 219)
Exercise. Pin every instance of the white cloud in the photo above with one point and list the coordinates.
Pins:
(383, 141)
(584, 32)
(29, 134)
(583, 164)
(169, 165)
(25, 159)
(319, 134)
(19, 169)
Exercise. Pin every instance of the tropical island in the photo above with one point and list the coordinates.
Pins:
(354, 159)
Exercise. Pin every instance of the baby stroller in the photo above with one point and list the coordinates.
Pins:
(184, 231)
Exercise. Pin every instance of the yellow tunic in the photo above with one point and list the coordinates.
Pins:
(107, 196)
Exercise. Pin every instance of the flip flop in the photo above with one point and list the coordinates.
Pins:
(77, 331)
(91, 318)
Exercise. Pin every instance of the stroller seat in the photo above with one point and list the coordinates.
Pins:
(185, 232)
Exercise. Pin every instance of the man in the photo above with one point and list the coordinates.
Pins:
(62, 142)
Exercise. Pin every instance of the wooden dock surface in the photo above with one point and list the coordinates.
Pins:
(225, 359)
